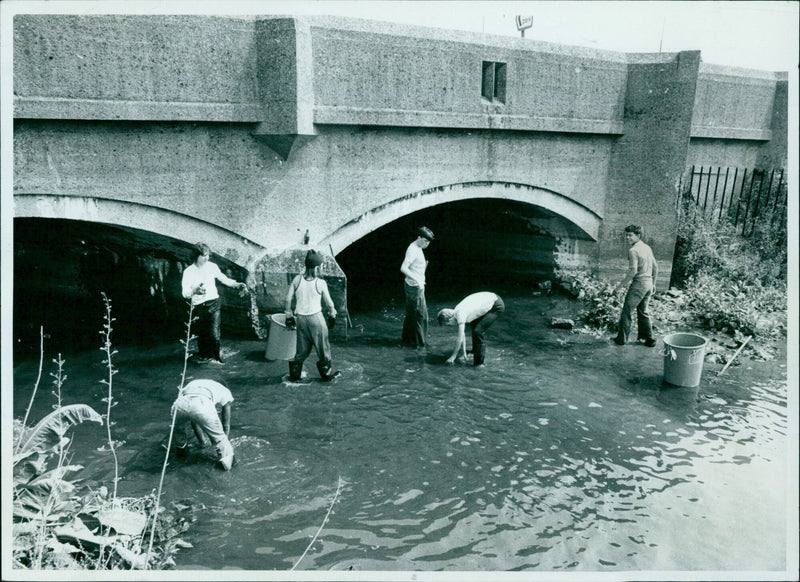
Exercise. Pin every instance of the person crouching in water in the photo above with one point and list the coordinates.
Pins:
(479, 310)
(312, 328)
(197, 403)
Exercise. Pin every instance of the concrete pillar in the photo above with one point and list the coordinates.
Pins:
(773, 154)
(647, 161)
(285, 83)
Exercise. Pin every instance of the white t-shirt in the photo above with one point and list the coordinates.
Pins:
(208, 275)
(415, 261)
(474, 306)
(218, 393)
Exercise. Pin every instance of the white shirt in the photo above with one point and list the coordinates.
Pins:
(309, 296)
(208, 275)
(474, 306)
(218, 393)
(416, 263)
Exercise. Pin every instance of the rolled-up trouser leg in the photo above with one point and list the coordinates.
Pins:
(479, 327)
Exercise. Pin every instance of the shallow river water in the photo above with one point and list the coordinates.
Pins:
(564, 454)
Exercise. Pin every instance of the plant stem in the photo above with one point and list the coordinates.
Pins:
(106, 333)
(171, 432)
(38, 377)
(107, 348)
(335, 497)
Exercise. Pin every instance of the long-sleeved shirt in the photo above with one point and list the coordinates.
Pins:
(642, 262)
(208, 274)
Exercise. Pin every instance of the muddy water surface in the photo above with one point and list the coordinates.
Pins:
(564, 454)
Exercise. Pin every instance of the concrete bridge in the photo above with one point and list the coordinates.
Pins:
(248, 132)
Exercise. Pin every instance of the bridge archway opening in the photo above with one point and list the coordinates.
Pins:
(481, 244)
(61, 266)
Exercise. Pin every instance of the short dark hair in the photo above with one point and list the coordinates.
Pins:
(425, 232)
(199, 250)
(635, 229)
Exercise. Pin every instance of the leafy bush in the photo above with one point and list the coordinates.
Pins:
(715, 247)
(601, 305)
(56, 526)
(721, 304)
(730, 283)
(733, 283)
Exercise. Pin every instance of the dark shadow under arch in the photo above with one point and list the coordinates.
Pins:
(495, 244)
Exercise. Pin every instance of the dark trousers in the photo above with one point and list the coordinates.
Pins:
(638, 298)
(479, 327)
(415, 324)
(208, 329)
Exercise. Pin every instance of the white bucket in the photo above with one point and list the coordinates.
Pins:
(683, 359)
(282, 342)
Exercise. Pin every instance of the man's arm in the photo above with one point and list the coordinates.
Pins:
(405, 268)
(290, 296)
(632, 263)
(326, 296)
(200, 435)
(188, 287)
(460, 344)
(655, 273)
(227, 281)
(225, 415)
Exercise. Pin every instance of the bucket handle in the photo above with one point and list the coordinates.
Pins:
(668, 351)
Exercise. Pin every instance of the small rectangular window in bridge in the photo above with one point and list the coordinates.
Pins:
(493, 87)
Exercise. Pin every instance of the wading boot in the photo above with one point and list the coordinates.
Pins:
(295, 371)
(325, 372)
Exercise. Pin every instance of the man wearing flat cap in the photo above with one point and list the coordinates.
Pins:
(415, 324)
(309, 291)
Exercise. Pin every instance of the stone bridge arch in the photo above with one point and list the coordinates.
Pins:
(587, 222)
(235, 248)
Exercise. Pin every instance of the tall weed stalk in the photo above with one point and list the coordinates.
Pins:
(186, 355)
(38, 378)
(59, 487)
(109, 400)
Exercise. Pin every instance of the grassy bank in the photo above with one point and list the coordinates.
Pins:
(723, 284)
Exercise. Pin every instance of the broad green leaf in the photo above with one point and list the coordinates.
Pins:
(123, 521)
(48, 432)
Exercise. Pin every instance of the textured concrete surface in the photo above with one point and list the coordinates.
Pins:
(249, 131)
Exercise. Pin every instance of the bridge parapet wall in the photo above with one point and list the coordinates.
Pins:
(392, 75)
(129, 67)
(162, 110)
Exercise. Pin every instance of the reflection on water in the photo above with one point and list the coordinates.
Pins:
(564, 454)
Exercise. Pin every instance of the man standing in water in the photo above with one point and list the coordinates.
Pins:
(642, 274)
(197, 404)
(479, 310)
(199, 285)
(415, 324)
(312, 328)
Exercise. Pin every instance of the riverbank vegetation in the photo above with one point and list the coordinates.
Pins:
(60, 523)
(722, 283)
